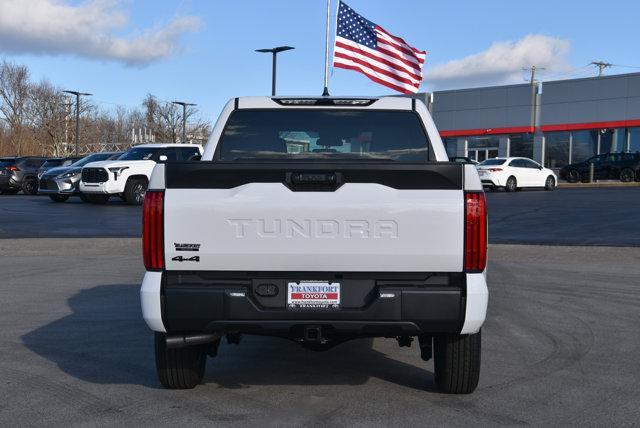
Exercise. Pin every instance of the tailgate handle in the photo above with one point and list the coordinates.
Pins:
(302, 178)
(313, 181)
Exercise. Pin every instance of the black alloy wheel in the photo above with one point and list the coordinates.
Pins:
(573, 176)
(30, 186)
(627, 175)
(550, 183)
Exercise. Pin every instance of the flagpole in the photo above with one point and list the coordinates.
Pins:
(325, 93)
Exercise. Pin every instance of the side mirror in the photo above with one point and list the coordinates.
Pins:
(195, 158)
(162, 158)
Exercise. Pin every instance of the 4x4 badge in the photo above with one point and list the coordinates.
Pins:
(186, 259)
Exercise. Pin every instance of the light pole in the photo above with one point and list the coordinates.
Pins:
(184, 118)
(274, 51)
(77, 94)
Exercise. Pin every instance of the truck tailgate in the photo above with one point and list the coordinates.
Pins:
(258, 218)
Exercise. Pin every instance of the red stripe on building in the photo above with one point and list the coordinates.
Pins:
(590, 125)
(486, 131)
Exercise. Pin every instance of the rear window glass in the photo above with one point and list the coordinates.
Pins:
(52, 163)
(140, 153)
(92, 158)
(491, 162)
(325, 135)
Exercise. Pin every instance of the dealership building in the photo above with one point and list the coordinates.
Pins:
(554, 123)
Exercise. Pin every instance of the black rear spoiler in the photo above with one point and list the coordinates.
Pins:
(313, 176)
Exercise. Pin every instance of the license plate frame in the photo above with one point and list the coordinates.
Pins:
(313, 295)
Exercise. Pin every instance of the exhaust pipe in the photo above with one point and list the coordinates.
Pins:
(184, 340)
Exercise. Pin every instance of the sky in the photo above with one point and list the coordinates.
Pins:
(203, 51)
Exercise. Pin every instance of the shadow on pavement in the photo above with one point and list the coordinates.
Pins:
(105, 341)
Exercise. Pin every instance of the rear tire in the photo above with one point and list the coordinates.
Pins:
(134, 191)
(550, 183)
(59, 198)
(180, 368)
(573, 176)
(30, 186)
(627, 175)
(511, 184)
(457, 362)
(97, 198)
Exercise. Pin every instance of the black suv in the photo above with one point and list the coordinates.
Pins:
(609, 166)
(20, 173)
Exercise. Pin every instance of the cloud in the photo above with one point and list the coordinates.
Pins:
(502, 63)
(50, 27)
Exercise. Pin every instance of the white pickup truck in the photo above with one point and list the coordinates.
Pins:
(319, 220)
(128, 176)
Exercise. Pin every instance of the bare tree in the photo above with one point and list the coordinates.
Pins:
(49, 118)
(36, 118)
(165, 120)
(14, 93)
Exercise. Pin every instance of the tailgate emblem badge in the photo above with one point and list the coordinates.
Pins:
(186, 247)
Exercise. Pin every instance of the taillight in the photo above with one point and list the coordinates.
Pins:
(13, 168)
(475, 232)
(153, 230)
(495, 169)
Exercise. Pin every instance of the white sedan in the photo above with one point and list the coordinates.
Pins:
(515, 173)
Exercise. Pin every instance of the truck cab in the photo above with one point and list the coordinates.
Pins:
(318, 220)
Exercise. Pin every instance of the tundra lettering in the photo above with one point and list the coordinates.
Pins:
(311, 228)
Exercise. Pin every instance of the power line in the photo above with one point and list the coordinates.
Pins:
(569, 73)
(625, 66)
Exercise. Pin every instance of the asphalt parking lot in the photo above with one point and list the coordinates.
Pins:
(560, 343)
(590, 216)
(560, 347)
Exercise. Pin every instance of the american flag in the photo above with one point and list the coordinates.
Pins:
(366, 47)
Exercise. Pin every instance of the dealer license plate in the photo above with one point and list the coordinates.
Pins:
(313, 295)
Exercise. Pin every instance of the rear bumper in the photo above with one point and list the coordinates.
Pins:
(374, 305)
(492, 181)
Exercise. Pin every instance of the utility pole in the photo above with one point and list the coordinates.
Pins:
(534, 95)
(601, 66)
(78, 95)
(184, 118)
(533, 70)
(274, 52)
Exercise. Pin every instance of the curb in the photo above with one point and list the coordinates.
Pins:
(562, 185)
